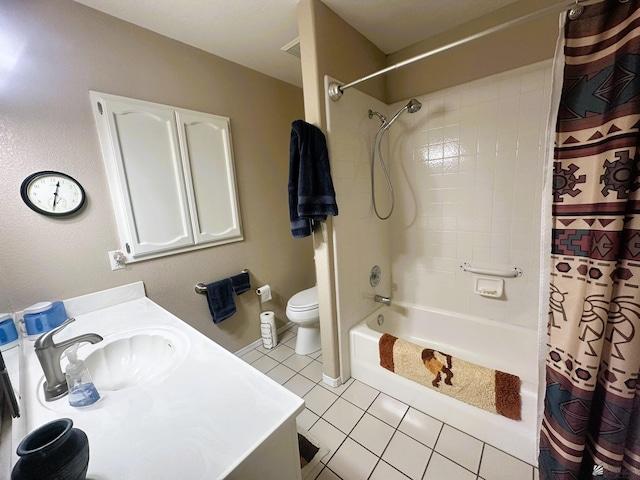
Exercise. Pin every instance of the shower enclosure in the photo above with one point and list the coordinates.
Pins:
(467, 177)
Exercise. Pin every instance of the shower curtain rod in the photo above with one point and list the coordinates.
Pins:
(336, 90)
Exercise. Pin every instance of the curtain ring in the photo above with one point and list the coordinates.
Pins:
(576, 11)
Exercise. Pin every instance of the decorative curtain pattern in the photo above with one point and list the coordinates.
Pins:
(591, 424)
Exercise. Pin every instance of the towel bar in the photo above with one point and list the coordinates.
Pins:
(515, 272)
(202, 288)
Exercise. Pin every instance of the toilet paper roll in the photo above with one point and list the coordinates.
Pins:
(264, 293)
(268, 329)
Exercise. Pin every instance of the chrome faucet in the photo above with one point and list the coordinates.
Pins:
(49, 354)
(384, 300)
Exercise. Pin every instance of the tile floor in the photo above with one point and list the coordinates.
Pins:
(373, 436)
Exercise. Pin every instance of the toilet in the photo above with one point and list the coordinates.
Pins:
(302, 309)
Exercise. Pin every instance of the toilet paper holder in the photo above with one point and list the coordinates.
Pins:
(202, 288)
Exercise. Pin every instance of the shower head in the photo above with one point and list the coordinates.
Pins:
(412, 107)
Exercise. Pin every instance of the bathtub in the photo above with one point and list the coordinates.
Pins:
(495, 345)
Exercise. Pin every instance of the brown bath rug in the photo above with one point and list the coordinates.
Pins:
(491, 390)
(311, 451)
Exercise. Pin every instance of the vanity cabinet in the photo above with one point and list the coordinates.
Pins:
(171, 176)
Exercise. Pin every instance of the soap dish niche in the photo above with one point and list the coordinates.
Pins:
(489, 287)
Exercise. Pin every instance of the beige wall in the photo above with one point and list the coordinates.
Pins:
(518, 46)
(59, 50)
(330, 46)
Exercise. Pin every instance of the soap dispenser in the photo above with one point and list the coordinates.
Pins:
(82, 391)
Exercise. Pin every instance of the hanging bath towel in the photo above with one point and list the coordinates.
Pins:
(311, 193)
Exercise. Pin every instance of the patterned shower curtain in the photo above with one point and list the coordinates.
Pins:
(591, 424)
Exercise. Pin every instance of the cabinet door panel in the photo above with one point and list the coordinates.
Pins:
(208, 156)
(171, 176)
(152, 177)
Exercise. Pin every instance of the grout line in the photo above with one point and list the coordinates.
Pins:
(481, 456)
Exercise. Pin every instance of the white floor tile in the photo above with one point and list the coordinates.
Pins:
(343, 415)
(280, 374)
(497, 465)
(352, 461)
(360, 394)
(329, 436)
(441, 468)
(388, 409)
(407, 455)
(384, 471)
(264, 364)
(372, 433)
(366, 445)
(422, 427)
(326, 474)
(291, 342)
(313, 371)
(307, 419)
(281, 353)
(263, 350)
(251, 356)
(459, 447)
(297, 362)
(316, 355)
(318, 400)
(299, 385)
(286, 335)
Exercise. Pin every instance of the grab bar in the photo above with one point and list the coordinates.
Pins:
(202, 288)
(515, 272)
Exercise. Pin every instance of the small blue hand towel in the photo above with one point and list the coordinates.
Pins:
(220, 300)
(241, 283)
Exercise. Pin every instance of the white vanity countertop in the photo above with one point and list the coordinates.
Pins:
(199, 421)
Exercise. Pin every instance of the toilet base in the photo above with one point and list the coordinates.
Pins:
(308, 340)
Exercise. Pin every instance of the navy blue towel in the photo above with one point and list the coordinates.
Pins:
(240, 283)
(220, 300)
(311, 193)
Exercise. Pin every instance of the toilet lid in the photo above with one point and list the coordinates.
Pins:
(304, 300)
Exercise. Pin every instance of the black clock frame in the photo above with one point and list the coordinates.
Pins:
(25, 197)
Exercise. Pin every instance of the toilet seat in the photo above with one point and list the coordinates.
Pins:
(302, 308)
(304, 301)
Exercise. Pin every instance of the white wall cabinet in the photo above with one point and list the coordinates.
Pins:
(171, 176)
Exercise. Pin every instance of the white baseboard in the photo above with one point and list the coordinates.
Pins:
(332, 382)
(258, 342)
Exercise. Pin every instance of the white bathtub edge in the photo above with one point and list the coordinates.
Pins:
(517, 438)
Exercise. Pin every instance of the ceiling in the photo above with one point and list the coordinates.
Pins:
(253, 32)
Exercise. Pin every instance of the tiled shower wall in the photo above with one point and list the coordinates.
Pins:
(467, 172)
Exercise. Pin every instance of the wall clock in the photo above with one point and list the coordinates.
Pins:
(52, 193)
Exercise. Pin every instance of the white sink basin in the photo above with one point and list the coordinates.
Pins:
(135, 357)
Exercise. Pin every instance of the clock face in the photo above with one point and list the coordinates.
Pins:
(52, 193)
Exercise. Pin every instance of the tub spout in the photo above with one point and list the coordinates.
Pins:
(384, 300)
(49, 353)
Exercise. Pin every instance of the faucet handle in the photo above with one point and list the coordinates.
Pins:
(46, 339)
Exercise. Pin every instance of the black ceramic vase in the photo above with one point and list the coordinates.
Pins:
(54, 451)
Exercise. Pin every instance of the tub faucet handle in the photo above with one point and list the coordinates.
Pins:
(384, 300)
